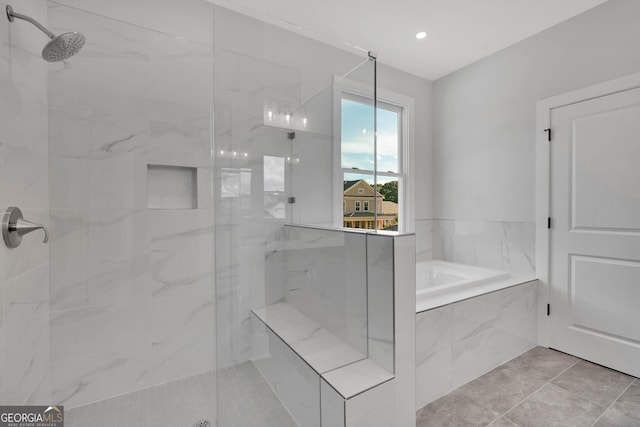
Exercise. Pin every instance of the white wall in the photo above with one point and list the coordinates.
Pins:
(484, 115)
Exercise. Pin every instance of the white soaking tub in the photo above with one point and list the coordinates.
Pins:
(435, 278)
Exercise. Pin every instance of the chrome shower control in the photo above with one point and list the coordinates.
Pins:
(14, 227)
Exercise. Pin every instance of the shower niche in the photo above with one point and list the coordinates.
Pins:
(172, 187)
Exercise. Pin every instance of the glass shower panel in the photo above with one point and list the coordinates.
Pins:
(291, 301)
(254, 99)
(130, 174)
(333, 154)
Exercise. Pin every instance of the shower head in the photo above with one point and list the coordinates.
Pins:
(63, 47)
(59, 47)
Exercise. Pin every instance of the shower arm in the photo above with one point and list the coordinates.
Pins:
(11, 15)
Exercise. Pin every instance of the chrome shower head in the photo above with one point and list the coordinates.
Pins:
(60, 47)
(63, 47)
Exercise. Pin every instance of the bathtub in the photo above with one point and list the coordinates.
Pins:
(441, 277)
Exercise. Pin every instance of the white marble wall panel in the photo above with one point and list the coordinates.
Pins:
(297, 386)
(24, 271)
(322, 273)
(332, 407)
(424, 239)
(405, 329)
(26, 318)
(459, 342)
(380, 300)
(69, 255)
(374, 408)
(500, 245)
(132, 289)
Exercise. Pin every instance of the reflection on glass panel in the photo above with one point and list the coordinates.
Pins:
(273, 173)
(235, 182)
(357, 137)
(274, 186)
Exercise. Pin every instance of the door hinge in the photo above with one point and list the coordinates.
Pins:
(548, 309)
(548, 131)
(549, 223)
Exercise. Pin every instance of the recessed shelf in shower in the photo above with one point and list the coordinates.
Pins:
(172, 187)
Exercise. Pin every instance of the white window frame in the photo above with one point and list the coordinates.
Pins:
(356, 208)
(365, 206)
(406, 105)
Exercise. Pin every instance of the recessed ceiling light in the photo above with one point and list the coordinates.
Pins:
(421, 35)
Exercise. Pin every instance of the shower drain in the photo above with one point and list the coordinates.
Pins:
(203, 423)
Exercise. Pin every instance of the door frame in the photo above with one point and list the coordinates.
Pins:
(543, 181)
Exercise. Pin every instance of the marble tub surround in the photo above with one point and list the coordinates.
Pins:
(429, 302)
(501, 245)
(24, 172)
(540, 387)
(132, 296)
(458, 342)
(424, 239)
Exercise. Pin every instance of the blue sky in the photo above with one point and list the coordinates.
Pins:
(357, 137)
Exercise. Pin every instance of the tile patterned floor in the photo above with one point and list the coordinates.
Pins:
(245, 400)
(543, 388)
(176, 404)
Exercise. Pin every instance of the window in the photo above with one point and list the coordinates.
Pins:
(357, 163)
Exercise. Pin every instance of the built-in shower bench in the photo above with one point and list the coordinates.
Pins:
(338, 346)
(343, 367)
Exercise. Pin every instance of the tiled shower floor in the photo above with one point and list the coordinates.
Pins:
(245, 400)
(543, 388)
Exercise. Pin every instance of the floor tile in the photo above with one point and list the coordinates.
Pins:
(625, 412)
(454, 410)
(501, 389)
(247, 401)
(594, 382)
(542, 363)
(503, 422)
(554, 406)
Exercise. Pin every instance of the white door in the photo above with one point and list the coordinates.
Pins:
(595, 230)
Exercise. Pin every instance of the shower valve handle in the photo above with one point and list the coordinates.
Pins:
(14, 227)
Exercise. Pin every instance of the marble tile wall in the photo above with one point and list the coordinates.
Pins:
(404, 298)
(424, 239)
(24, 271)
(459, 342)
(323, 274)
(294, 382)
(380, 300)
(132, 295)
(500, 245)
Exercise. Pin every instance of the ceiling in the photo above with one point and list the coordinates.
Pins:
(460, 32)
